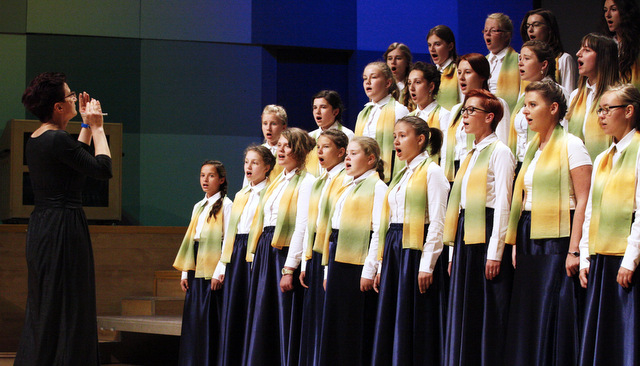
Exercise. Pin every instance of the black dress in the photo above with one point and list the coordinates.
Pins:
(60, 324)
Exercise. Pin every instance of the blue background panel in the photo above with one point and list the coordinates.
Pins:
(197, 20)
(320, 23)
(200, 88)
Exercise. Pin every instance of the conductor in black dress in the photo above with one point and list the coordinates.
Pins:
(60, 325)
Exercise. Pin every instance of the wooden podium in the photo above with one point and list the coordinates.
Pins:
(101, 201)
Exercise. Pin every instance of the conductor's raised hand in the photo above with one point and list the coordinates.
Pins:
(93, 114)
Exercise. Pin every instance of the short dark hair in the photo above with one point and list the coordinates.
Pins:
(490, 103)
(43, 92)
(334, 100)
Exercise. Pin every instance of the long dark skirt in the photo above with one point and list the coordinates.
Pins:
(349, 315)
(312, 311)
(60, 322)
(408, 322)
(611, 333)
(200, 322)
(478, 308)
(273, 321)
(234, 305)
(545, 314)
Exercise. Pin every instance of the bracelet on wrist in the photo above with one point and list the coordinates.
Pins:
(84, 125)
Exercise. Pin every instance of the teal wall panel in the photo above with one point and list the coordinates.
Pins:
(107, 68)
(200, 88)
(131, 178)
(13, 16)
(12, 77)
(113, 18)
(197, 20)
(170, 168)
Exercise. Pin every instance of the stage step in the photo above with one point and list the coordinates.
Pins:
(167, 325)
(152, 305)
(167, 284)
(6, 358)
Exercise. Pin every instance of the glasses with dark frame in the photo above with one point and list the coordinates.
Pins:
(471, 110)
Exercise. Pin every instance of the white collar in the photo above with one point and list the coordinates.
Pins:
(416, 161)
(381, 103)
(444, 65)
(500, 55)
(485, 142)
(258, 187)
(336, 170)
(626, 140)
(211, 200)
(364, 176)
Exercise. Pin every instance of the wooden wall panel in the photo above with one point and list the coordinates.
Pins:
(126, 258)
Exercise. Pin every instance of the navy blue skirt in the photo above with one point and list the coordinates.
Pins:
(611, 333)
(348, 319)
(545, 314)
(312, 311)
(408, 322)
(234, 305)
(478, 308)
(273, 320)
(200, 322)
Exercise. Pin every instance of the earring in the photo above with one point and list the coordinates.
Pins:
(542, 72)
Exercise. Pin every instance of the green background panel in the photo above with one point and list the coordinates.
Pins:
(13, 16)
(107, 68)
(197, 20)
(169, 182)
(200, 88)
(131, 178)
(113, 18)
(12, 77)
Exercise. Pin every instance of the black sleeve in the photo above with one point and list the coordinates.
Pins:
(76, 155)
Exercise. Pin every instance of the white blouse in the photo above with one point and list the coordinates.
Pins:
(371, 263)
(632, 253)
(374, 115)
(438, 193)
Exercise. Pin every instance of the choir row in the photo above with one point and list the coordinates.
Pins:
(345, 269)
(371, 247)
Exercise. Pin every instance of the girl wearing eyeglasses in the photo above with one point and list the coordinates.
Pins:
(541, 25)
(610, 249)
(545, 225)
(473, 73)
(598, 69)
(476, 224)
(505, 79)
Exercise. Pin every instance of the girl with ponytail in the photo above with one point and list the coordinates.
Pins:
(412, 281)
(350, 249)
(197, 259)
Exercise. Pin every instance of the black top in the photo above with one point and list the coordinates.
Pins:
(58, 165)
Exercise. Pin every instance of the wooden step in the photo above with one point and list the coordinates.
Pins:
(152, 305)
(167, 325)
(7, 358)
(167, 284)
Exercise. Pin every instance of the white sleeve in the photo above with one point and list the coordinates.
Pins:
(585, 257)
(502, 130)
(568, 73)
(220, 270)
(632, 253)
(503, 164)
(184, 276)
(305, 243)
(438, 193)
(302, 215)
(578, 154)
(371, 263)
(400, 110)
